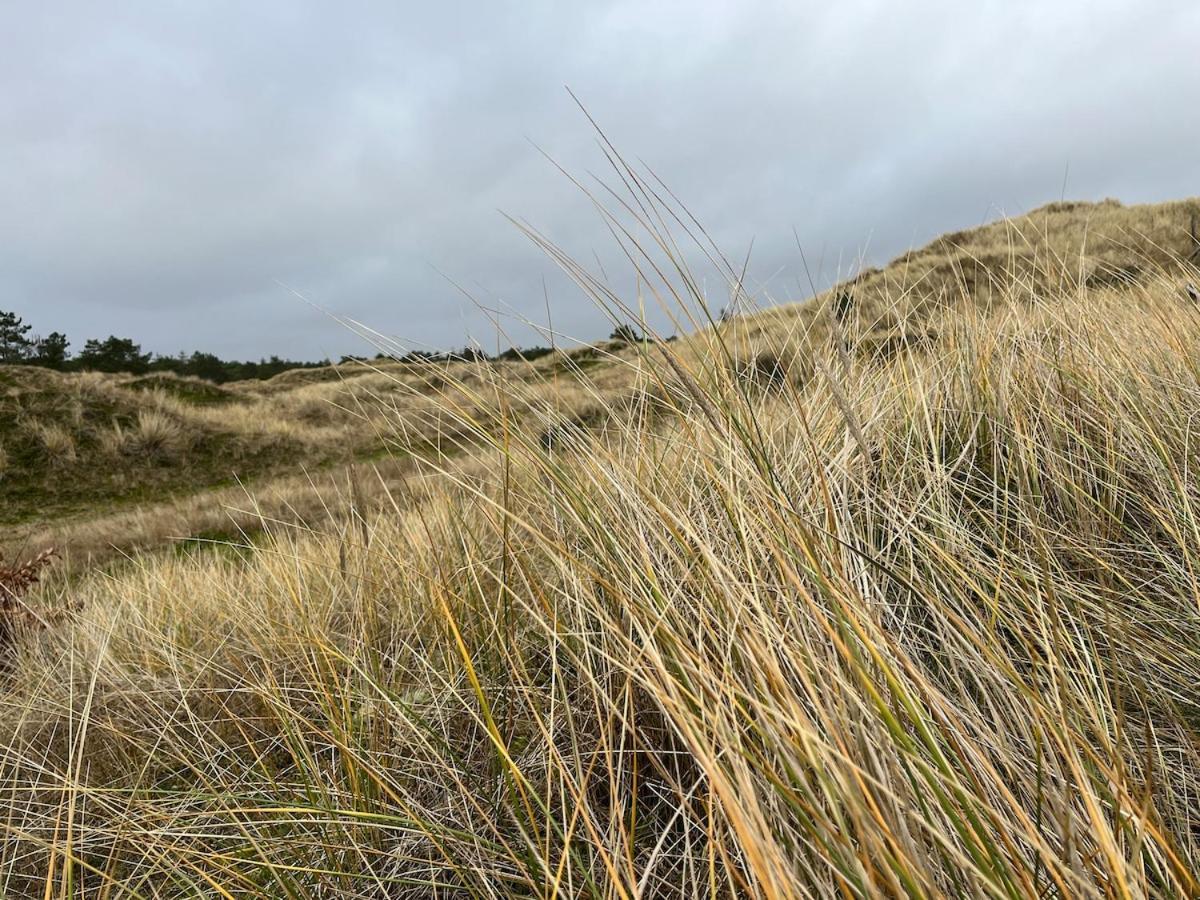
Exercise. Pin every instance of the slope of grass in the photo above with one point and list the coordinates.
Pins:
(773, 614)
(75, 443)
(1056, 248)
(101, 466)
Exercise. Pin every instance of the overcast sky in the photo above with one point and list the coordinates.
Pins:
(165, 165)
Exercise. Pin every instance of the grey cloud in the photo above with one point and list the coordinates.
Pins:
(165, 164)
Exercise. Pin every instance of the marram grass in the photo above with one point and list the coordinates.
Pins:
(923, 622)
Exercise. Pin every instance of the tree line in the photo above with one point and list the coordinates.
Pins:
(118, 354)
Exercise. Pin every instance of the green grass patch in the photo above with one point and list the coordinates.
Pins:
(189, 390)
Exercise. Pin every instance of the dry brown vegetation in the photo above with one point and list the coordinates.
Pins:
(894, 597)
(105, 465)
(17, 580)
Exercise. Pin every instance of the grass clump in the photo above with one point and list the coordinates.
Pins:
(156, 434)
(55, 440)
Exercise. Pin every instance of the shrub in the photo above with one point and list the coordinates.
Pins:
(15, 582)
(524, 354)
(767, 370)
(625, 334)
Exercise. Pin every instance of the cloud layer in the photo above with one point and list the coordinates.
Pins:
(166, 165)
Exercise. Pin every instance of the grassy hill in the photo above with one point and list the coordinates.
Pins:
(96, 464)
(891, 593)
(73, 445)
(72, 442)
(1055, 249)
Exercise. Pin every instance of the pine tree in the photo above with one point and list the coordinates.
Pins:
(15, 346)
(51, 351)
(114, 354)
(625, 334)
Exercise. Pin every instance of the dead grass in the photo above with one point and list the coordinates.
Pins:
(1057, 248)
(906, 620)
(57, 442)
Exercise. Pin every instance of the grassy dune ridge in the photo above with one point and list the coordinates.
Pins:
(101, 465)
(887, 596)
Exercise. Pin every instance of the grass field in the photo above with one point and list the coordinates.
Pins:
(893, 593)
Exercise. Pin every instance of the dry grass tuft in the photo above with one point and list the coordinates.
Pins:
(156, 434)
(57, 441)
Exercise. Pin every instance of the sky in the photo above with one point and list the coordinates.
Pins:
(180, 172)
